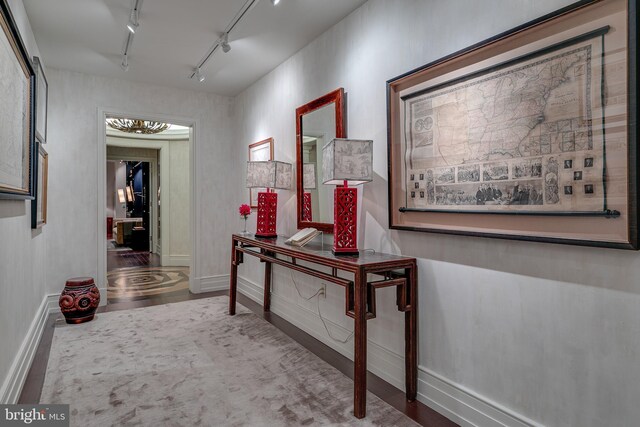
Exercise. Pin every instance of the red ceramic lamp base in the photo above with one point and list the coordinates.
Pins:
(345, 221)
(307, 213)
(267, 214)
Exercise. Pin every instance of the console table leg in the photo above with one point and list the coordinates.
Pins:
(267, 287)
(233, 282)
(360, 344)
(410, 336)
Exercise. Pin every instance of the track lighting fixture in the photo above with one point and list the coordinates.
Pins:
(224, 42)
(275, 2)
(133, 24)
(132, 27)
(199, 75)
(125, 63)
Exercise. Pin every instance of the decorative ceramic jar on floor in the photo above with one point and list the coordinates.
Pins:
(79, 300)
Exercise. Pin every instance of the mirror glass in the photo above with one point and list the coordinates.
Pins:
(317, 123)
(318, 128)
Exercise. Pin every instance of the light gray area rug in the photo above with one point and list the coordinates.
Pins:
(189, 364)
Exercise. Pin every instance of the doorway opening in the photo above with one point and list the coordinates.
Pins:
(132, 220)
(148, 209)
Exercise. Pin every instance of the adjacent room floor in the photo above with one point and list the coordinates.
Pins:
(135, 275)
(123, 256)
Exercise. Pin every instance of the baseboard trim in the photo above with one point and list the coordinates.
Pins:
(53, 303)
(13, 383)
(210, 284)
(250, 290)
(175, 260)
(464, 406)
(452, 400)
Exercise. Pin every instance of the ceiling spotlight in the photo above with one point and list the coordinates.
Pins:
(131, 26)
(224, 42)
(133, 23)
(275, 2)
(199, 75)
(125, 63)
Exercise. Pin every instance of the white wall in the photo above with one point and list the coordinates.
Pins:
(23, 258)
(178, 198)
(509, 332)
(75, 99)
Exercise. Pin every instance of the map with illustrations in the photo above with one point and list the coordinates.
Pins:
(522, 133)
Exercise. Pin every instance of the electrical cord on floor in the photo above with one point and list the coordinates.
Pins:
(324, 322)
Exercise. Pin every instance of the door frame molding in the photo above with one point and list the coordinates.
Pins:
(101, 170)
(153, 184)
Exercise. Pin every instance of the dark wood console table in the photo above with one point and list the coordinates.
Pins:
(391, 270)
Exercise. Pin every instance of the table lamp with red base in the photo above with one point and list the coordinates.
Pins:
(268, 175)
(346, 162)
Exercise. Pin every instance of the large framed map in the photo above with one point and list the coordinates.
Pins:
(526, 135)
(17, 142)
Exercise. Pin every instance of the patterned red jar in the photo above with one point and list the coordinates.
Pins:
(79, 300)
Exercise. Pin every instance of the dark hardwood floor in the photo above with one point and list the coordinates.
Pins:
(127, 259)
(417, 411)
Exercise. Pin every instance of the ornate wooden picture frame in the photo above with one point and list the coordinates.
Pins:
(529, 135)
(259, 151)
(17, 140)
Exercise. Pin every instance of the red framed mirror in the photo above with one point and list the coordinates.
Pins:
(317, 123)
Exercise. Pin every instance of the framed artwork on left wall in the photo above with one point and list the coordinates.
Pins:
(17, 84)
(260, 151)
(39, 204)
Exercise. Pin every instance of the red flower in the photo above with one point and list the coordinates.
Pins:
(245, 210)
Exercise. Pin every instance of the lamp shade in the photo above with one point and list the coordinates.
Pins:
(270, 174)
(348, 160)
(309, 176)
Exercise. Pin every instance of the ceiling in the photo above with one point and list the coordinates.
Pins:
(89, 36)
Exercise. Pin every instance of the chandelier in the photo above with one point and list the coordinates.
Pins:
(137, 126)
